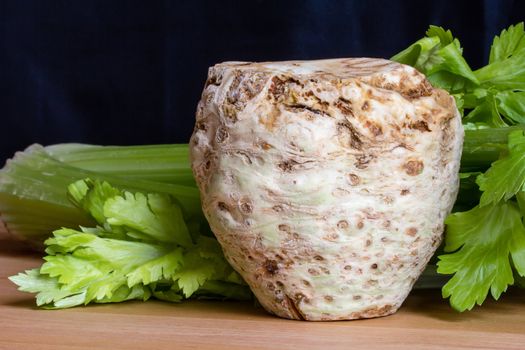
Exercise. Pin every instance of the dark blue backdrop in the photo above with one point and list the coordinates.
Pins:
(131, 72)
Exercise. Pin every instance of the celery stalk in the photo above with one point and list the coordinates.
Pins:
(162, 163)
(483, 146)
(33, 185)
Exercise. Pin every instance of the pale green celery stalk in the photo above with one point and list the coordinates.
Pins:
(162, 163)
(33, 220)
(33, 200)
(483, 146)
(34, 170)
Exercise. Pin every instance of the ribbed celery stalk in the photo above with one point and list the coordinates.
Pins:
(162, 163)
(483, 146)
(33, 187)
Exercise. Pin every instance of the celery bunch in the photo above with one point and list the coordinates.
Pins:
(142, 236)
(141, 247)
(485, 239)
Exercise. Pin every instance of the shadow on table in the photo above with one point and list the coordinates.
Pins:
(12, 247)
(431, 304)
(190, 308)
(27, 303)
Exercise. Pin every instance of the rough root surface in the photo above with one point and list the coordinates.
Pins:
(326, 182)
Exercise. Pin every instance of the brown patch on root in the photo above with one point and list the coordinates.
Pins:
(420, 125)
(290, 165)
(201, 125)
(271, 266)
(354, 179)
(374, 312)
(221, 135)
(374, 128)
(420, 91)
(345, 106)
(342, 224)
(223, 206)
(277, 87)
(213, 80)
(363, 161)
(270, 120)
(349, 136)
(246, 207)
(266, 146)
(299, 107)
(411, 231)
(287, 165)
(413, 167)
(407, 86)
(284, 227)
(411, 92)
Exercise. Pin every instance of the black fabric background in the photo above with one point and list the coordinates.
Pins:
(131, 72)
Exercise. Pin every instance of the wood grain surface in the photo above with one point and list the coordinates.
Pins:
(424, 322)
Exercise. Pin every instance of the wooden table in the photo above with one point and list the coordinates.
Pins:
(425, 322)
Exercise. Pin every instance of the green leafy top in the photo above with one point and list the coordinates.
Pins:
(439, 57)
(142, 248)
(486, 242)
(506, 68)
(508, 43)
(494, 95)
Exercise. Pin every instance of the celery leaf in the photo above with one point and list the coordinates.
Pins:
(506, 176)
(510, 41)
(483, 241)
(439, 57)
(512, 105)
(155, 215)
(486, 112)
(141, 249)
(91, 196)
(193, 273)
(508, 74)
